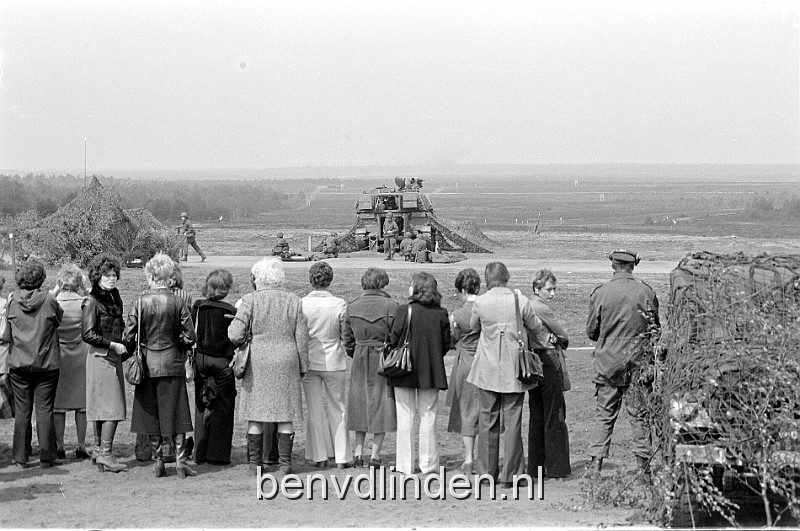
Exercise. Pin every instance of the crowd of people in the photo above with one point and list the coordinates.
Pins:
(66, 349)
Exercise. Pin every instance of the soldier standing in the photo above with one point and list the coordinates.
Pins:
(623, 315)
(390, 230)
(189, 235)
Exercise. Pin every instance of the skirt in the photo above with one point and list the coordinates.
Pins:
(71, 392)
(462, 398)
(105, 388)
(161, 407)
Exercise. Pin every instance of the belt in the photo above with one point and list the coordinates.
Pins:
(371, 343)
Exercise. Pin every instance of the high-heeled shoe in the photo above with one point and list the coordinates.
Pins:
(80, 453)
(358, 462)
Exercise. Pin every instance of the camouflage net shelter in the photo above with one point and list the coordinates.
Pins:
(724, 394)
(94, 223)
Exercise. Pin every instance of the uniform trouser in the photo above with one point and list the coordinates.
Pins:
(326, 427)
(29, 388)
(409, 403)
(388, 247)
(185, 249)
(609, 404)
(491, 404)
(548, 437)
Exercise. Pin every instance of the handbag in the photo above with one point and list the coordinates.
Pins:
(566, 383)
(396, 362)
(530, 370)
(5, 326)
(241, 358)
(132, 367)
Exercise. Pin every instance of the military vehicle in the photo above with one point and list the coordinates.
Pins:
(413, 212)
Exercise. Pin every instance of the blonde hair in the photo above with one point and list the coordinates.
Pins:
(159, 267)
(71, 278)
(268, 273)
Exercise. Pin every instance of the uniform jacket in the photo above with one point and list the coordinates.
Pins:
(390, 228)
(325, 319)
(405, 246)
(188, 230)
(429, 341)
(331, 246)
(167, 332)
(102, 319)
(496, 362)
(618, 321)
(34, 317)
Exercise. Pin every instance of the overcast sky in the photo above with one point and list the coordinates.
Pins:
(202, 85)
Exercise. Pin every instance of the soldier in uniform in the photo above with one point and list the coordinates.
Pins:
(390, 230)
(405, 246)
(189, 235)
(419, 249)
(281, 247)
(331, 247)
(623, 316)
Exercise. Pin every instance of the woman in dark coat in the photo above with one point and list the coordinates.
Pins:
(214, 385)
(367, 324)
(160, 402)
(462, 397)
(548, 438)
(417, 394)
(101, 329)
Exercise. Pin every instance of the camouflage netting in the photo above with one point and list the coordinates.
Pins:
(724, 398)
(94, 223)
(464, 234)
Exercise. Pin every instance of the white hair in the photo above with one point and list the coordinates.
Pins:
(268, 273)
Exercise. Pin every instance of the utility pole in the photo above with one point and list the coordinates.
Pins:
(84, 162)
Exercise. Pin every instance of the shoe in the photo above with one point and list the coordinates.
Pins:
(375, 463)
(506, 484)
(594, 467)
(61, 454)
(321, 464)
(202, 259)
(285, 445)
(160, 470)
(180, 444)
(50, 464)
(342, 466)
(358, 462)
(157, 447)
(255, 447)
(20, 466)
(466, 469)
(105, 459)
(80, 453)
(190, 443)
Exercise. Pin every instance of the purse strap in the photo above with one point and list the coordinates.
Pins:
(139, 330)
(522, 339)
(408, 326)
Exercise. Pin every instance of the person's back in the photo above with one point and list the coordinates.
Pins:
(34, 317)
(324, 314)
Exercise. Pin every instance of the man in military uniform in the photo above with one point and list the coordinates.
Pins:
(390, 230)
(405, 246)
(189, 235)
(419, 248)
(331, 247)
(281, 247)
(623, 317)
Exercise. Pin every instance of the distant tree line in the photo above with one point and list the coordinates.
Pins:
(44, 194)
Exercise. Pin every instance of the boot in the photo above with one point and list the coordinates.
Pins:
(105, 459)
(285, 444)
(158, 452)
(594, 468)
(182, 456)
(97, 442)
(255, 446)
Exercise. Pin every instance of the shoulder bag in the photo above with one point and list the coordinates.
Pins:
(530, 369)
(241, 358)
(132, 367)
(396, 362)
(5, 326)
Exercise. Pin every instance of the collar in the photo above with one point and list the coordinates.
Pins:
(622, 274)
(471, 297)
(319, 293)
(378, 292)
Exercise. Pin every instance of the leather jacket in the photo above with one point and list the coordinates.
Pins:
(102, 319)
(167, 332)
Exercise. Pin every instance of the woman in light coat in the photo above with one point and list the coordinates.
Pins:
(494, 372)
(278, 360)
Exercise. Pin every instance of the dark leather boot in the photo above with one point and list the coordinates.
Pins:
(105, 459)
(182, 456)
(158, 451)
(255, 446)
(594, 468)
(97, 443)
(285, 444)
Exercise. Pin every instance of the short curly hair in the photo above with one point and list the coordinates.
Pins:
(374, 278)
(160, 267)
(100, 265)
(268, 273)
(30, 274)
(71, 278)
(425, 289)
(218, 285)
(468, 280)
(320, 275)
(541, 277)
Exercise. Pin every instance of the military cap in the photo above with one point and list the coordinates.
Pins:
(333, 234)
(407, 234)
(623, 255)
(280, 235)
(184, 215)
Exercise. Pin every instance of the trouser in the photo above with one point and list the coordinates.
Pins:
(409, 403)
(491, 404)
(326, 428)
(185, 250)
(388, 247)
(548, 438)
(34, 388)
(609, 404)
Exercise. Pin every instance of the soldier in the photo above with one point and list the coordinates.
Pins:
(390, 230)
(623, 316)
(331, 247)
(281, 247)
(405, 246)
(419, 248)
(189, 234)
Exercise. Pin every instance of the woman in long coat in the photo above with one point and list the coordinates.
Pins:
(417, 393)
(101, 328)
(548, 438)
(367, 325)
(494, 373)
(270, 389)
(462, 396)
